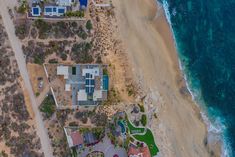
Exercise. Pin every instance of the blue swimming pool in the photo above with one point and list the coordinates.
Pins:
(48, 10)
(61, 10)
(105, 82)
(36, 11)
(122, 125)
(83, 3)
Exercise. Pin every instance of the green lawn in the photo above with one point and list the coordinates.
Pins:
(149, 140)
(133, 129)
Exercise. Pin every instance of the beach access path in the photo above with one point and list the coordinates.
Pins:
(17, 48)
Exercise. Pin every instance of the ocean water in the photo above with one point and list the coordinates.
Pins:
(204, 33)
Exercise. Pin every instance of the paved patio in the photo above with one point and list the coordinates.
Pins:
(107, 148)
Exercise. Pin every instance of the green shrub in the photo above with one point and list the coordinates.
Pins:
(141, 108)
(48, 106)
(43, 27)
(73, 124)
(37, 94)
(21, 31)
(89, 25)
(53, 61)
(105, 71)
(143, 120)
(75, 14)
(23, 7)
(155, 115)
(63, 56)
(39, 59)
(81, 33)
(98, 132)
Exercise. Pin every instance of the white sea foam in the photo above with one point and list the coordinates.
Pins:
(216, 127)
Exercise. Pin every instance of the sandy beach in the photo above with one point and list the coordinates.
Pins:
(179, 130)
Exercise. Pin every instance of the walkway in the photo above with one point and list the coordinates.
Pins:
(16, 46)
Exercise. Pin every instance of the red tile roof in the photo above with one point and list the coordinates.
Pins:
(77, 138)
(133, 150)
(145, 151)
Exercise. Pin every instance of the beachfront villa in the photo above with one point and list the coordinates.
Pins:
(87, 84)
(56, 9)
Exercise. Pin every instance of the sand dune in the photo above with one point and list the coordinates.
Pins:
(179, 130)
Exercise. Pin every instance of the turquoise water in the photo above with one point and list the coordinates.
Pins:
(121, 124)
(204, 32)
(105, 82)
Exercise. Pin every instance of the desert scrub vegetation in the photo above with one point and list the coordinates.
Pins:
(113, 97)
(59, 29)
(131, 90)
(81, 53)
(36, 52)
(22, 30)
(43, 28)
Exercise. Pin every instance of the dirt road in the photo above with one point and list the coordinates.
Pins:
(16, 46)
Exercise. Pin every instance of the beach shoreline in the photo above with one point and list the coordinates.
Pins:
(149, 42)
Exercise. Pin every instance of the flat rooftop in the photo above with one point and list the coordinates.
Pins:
(85, 83)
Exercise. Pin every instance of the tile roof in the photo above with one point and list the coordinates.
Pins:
(135, 151)
(76, 138)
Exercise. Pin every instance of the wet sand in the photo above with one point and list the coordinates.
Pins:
(179, 129)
